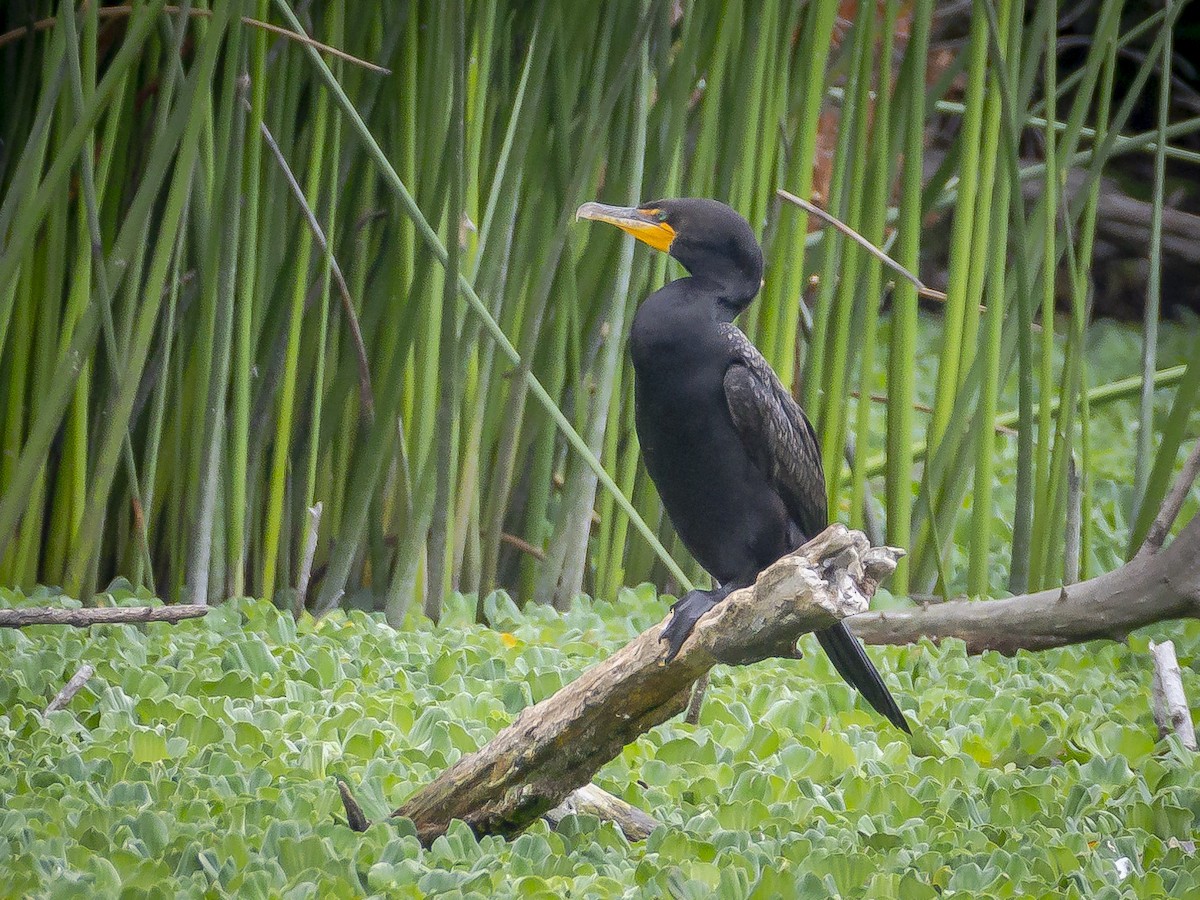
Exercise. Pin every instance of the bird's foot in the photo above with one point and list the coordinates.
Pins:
(684, 615)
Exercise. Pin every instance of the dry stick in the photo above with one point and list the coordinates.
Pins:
(1171, 710)
(366, 395)
(70, 689)
(523, 545)
(696, 703)
(590, 800)
(310, 551)
(1145, 590)
(86, 618)
(123, 12)
(1157, 533)
(558, 745)
(811, 209)
(1074, 523)
(355, 817)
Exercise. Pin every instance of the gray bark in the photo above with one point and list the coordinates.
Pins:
(1145, 590)
(1171, 710)
(86, 618)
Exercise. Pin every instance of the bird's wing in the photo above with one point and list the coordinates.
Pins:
(776, 434)
(784, 446)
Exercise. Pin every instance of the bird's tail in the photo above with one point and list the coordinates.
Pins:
(852, 663)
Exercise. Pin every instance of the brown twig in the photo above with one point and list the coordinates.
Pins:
(366, 394)
(355, 817)
(523, 545)
(928, 410)
(830, 219)
(123, 12)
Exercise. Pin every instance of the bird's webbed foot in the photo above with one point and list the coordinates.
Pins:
(685, 614)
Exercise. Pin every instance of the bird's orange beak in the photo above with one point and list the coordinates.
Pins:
(643, 224)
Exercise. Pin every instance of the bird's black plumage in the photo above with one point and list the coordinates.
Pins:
(733, 456)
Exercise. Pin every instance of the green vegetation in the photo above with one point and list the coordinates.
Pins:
(240, 276)
(200, 760)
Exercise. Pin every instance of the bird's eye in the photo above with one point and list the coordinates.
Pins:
(661, 215)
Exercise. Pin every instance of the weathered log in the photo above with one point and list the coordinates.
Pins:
(110, 615)
(557, 745)
(1145, 590)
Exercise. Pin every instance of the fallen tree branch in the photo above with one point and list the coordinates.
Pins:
(1171, 710)
(110, 615)
(556, 746)
(1145, 590)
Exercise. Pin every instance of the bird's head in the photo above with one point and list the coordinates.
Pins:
(710, 239)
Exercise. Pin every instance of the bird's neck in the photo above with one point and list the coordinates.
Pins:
(728, 291)
(719, 300)
(690, 305)
(731, 279)
(673, 325)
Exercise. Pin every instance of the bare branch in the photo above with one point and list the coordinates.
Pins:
(355, 817)
(556, 746)
(365, 392)
(1145, 590)
(830, 219)
(696, 703)
(86, 618)
(1171, 505)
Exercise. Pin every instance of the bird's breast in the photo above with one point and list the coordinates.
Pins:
(721, 505)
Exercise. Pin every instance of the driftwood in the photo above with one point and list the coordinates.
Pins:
(556, 746)
(1171, 710)
(111, 615)
(1145, 590)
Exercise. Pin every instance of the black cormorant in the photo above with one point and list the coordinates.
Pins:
(734, 458)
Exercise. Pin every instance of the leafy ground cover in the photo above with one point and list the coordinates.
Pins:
(200, 761)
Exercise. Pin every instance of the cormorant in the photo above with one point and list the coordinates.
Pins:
(734, 458)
